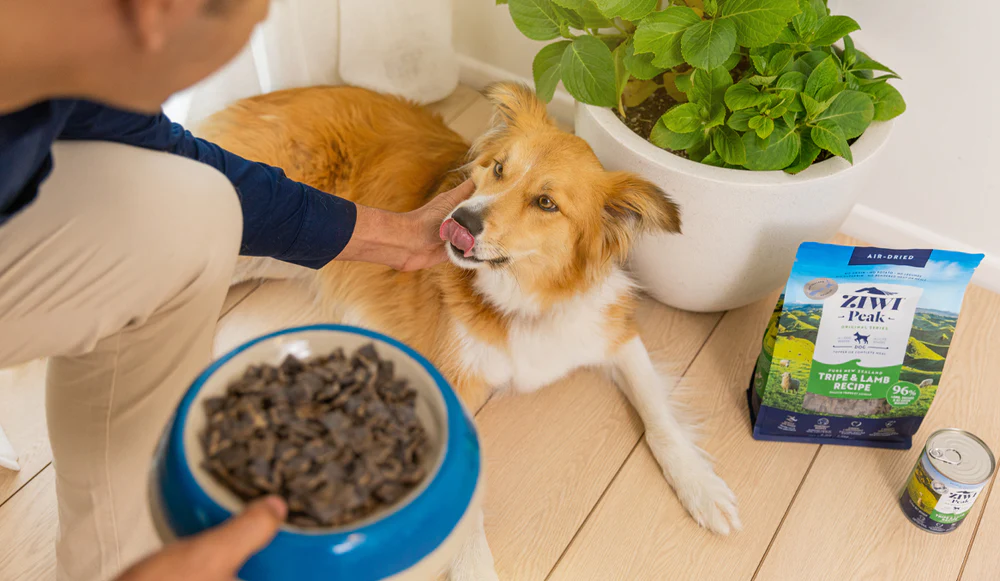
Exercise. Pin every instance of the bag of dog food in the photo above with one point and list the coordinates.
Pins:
(855, 348)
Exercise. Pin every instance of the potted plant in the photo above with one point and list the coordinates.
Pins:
(759, 117)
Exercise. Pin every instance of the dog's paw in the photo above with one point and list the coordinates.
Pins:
(706, 496)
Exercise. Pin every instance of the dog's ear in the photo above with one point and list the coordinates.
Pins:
(516, 106)
(633, 206)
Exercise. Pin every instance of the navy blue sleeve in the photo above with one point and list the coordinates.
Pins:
(282, 218)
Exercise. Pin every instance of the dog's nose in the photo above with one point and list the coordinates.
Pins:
(471, 220)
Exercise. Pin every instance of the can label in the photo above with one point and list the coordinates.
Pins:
(935, 503)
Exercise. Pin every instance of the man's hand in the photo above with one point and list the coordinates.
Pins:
(404, 241)
(216, 554)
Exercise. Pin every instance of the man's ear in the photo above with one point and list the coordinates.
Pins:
(634, 206)
(516, 106)
(153, 21)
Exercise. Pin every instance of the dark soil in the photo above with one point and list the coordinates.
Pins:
(641, 118)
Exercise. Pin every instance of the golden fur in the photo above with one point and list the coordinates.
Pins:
(384, 152)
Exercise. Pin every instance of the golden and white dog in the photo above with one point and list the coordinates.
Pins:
(535, 287)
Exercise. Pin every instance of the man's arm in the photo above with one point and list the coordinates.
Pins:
(282, 218)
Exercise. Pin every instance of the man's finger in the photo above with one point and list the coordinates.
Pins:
(226, 547)
(458, 193)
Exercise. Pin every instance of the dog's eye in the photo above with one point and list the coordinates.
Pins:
(546, 203)
(498, 169)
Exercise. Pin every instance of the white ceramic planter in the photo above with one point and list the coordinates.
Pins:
(740, 228)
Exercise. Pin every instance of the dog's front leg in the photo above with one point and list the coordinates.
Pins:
(474, 561)
(686, 467)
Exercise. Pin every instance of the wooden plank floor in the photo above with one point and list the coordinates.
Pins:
(573, 491)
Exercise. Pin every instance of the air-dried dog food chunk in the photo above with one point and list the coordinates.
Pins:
(337, 437)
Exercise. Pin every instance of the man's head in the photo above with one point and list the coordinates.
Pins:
(129, 53)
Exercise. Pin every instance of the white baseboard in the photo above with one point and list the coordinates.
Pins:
(881, 229)
(864, 223)
(477, 74)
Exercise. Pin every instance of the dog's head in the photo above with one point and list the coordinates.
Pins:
(545, 209)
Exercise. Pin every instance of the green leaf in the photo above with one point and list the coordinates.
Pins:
(711, 7)
(740, 120)
(888, 102)
(850, 53)
(792, 80)
(588, 72)
(640, 65)
(567, 19)
(700, 151)
(812, 106)
(661, 34)
(761, 81)
(807, 62)
(709, 43)
(758, 22)
(779, 61)
(545, 69)
(780, 149)
(621, 71)
(830, 29)
(808, 152)
(819, 6)
(713, 159)
(866, 64)
(499, 2)
(852, 81)
(787, 36)
(683, 82)
(729, 145)
(828, 92)
(792, 100)
(805, 21)
(764, 127)
(536, 19)
(743, 95)
(759, 63)
(717, 115)
(708, 88)
(829, 136)
(683, 118)
(592, 17)
(825, 73)
(625, 9)
(789, 119)
(667, 139)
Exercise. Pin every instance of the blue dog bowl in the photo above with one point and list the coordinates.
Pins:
(414, 539)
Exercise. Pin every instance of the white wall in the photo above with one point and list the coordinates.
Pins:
(935, 177)
(935, 188)
(296, 46)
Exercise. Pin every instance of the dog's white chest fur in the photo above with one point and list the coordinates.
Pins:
(543, 347)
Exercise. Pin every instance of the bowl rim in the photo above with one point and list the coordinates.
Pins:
(450, 486)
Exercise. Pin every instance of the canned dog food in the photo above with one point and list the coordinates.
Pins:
(952, 470)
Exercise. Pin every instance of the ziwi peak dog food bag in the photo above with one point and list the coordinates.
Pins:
(855, 348)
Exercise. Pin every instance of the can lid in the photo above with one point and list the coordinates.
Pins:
(960, 456)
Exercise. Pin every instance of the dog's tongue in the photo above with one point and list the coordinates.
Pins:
(458, 235)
